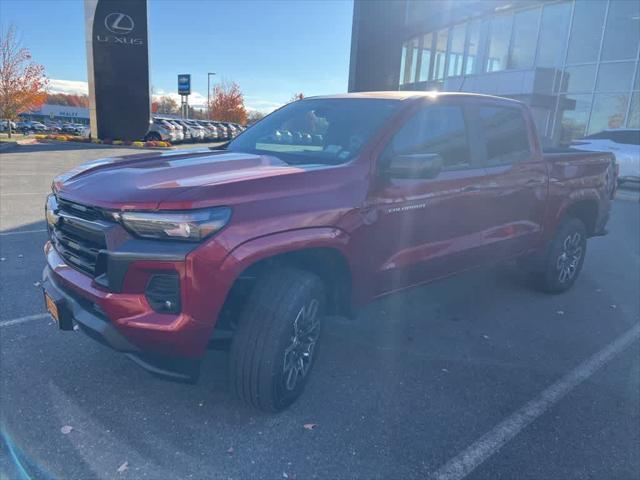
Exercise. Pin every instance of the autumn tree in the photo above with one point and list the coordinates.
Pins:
(70, 100)
(167, 105)
(22, 81)
(227, 103)
(254, 116)
(296, 97)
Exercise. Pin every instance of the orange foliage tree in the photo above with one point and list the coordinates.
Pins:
(227, 103)
(70, 100)
(22, 81)
(296, 96)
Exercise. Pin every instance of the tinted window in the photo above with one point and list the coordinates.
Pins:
(505, 134)
(437, 129)
(627, 137)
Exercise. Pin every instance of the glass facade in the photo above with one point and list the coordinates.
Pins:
(592, 48)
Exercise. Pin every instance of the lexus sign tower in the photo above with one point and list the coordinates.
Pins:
(118, 68)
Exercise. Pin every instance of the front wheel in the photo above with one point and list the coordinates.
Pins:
(565, 257)
(275, 346)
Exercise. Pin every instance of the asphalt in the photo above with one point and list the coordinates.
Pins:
(398, 392)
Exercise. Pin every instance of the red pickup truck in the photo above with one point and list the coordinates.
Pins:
(325, 204)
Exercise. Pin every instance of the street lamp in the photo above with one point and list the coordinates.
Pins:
(209, 95)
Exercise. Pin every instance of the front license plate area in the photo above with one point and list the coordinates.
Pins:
(58, 313)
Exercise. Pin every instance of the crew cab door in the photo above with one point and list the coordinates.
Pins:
(424, 228)
(516, 188)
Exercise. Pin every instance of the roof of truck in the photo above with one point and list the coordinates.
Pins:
(411, 94)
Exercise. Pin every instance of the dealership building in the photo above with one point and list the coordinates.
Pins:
(574, 62)
(58, 113)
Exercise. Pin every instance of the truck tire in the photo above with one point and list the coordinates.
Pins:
(564, 258)
(275, 345)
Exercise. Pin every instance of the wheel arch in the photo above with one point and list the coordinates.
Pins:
(322, 251)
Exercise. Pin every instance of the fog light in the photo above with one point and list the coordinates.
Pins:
(163, 292)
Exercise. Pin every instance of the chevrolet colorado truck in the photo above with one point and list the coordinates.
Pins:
(325, 204)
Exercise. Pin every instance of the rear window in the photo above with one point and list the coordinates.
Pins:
(506, 135)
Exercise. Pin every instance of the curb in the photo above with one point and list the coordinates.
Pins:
(102, 145)
(7, 145)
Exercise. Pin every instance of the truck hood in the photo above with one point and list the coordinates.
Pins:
(143, 182)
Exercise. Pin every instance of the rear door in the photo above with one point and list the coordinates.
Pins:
(425, 228)
(515, 190)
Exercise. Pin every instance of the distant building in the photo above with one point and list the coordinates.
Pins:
(58, 113)
(575, 63)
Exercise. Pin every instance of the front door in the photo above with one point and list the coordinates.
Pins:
(425, 228)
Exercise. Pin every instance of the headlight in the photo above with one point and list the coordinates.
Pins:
(51, 210)
(190, 226)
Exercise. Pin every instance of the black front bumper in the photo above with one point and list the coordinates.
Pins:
(87, 316)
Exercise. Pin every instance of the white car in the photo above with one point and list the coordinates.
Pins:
(624, 143)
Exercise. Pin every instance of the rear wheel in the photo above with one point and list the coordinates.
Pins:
(564, 258)
(274, 348)
(152, 137)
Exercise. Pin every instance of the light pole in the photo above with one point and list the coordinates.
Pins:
(209, 95)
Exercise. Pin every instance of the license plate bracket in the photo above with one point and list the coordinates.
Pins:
(58, 312)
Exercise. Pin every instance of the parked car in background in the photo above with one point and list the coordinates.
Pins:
(192, 134)
(200, 131)
(624, 143)
(223, 132)
(211, 133)
(159, 130)
(258, 242)
(4, 125)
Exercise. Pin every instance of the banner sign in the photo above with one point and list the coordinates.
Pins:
(118, 68)
(184, 84)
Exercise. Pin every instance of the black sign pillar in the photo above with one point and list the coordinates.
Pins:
(118, 68)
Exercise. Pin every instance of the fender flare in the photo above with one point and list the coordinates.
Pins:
(260, 248)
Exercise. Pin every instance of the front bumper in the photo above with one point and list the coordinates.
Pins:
(115, 311)
(92, 321)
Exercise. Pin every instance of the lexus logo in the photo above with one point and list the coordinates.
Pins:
(119, 23)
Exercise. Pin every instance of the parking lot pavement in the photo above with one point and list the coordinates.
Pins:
(480, 367)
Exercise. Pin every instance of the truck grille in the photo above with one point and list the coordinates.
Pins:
(78, 236)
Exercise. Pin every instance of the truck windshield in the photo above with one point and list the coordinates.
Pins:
(317, 130)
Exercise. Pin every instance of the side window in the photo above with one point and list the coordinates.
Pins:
(505, 134)
(436, 129)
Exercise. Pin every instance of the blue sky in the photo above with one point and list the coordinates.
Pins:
(272, 48)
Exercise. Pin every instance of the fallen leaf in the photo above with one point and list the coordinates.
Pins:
(76, 328)
(445, 370)
(486, 337)
(124, 467)
(2, 259)
(310, 426)
(20, 256)
(560, 312)
(230, 450)
(200, 404)
(66, 429)
(36, 284)
(613, 306)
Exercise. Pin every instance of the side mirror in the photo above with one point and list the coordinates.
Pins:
(415, 165)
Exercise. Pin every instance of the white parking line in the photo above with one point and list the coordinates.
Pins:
(21, 232)
(466, 461)
(29, 318)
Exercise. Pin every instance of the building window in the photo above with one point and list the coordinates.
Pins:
(456, 50)
(634, 111)
(472, 47)
(525, 34)
(586, 31)
(499, 36)
(622, 32)
(579, 79)
(440, 55)
(575, 116)
(425, 60)
(409, 61)
(609, 110)
(553, 34)
(615, 77)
